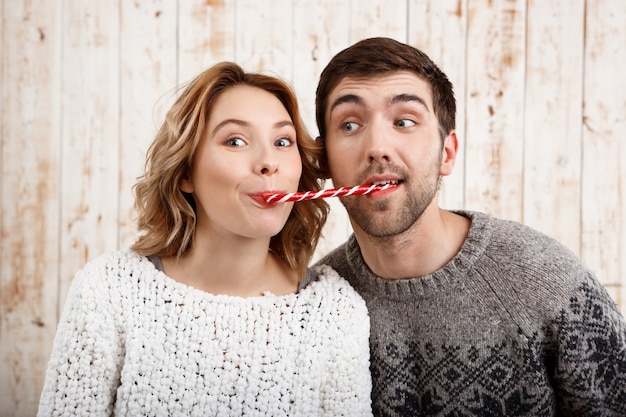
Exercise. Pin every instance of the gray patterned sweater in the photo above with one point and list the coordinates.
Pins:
(513, 325)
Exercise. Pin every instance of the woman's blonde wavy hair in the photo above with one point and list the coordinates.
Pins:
(166, 215)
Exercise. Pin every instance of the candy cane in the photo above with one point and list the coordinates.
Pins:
(332, 192)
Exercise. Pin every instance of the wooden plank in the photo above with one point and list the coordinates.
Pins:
(518, 119)
(494, 107)
(148, 80)
(263, 46)
(90, 158)
(319, 32)
(436, 28)
(206, 33)
(29, 126)
(553, 112)
(378, 18)
(604, 150)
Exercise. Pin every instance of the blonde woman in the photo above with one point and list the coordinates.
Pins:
(213, 311)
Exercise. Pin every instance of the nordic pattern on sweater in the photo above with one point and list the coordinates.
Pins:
(134, 342)
(514, 325)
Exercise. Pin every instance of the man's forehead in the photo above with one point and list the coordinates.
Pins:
(384, 87)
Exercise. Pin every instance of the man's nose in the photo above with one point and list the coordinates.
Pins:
(378, 147)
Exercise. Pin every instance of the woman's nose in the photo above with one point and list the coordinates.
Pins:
(267, 163)
(268, 168)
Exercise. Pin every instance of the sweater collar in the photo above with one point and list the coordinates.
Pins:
(451, 274)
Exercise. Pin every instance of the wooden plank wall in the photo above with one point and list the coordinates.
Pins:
(541, 97)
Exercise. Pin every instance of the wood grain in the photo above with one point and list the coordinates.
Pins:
(603, 180)
(494, 105)
(90, 160)
(84, 86)
(29, 278)
(439, 29)
(148, 77)
(552, 145)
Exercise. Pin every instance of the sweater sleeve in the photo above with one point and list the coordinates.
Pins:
(348, 388)
(590, 371)
(84, 367)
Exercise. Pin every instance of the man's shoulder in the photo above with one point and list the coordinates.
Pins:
(333, 255)
(528, 268)
(339, 259)
(513, 241)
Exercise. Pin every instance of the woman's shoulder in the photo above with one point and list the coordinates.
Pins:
(120, 258)
(111, 269)
(334, 286)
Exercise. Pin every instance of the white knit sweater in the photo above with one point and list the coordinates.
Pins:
(133, 342)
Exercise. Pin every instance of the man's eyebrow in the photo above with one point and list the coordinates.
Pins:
(347, 98)
(405, 98)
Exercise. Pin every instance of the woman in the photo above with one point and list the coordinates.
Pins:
(213, 310)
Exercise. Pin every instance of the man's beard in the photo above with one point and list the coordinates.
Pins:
(378, 221)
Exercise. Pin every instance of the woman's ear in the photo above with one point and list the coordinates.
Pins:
(186, 185)
(448, 155)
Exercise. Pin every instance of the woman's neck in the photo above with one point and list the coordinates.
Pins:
(242, 267)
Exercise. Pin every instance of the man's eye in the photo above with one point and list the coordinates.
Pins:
(282, 142)
(350, 126)
(235, 142)
(405, 123)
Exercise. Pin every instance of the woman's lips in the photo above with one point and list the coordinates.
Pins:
(260, 198)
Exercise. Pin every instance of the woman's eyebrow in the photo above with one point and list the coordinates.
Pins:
(244, 123)
(227, 122)
(284, 123)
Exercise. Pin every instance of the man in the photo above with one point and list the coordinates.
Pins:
(471, 315)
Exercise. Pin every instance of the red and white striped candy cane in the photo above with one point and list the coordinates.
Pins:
(332, 192)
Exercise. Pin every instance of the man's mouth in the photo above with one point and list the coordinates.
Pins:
(385, 182)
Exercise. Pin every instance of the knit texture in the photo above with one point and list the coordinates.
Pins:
(134, 342)
(513, 325)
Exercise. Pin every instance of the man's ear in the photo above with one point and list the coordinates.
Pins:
(323, 159)
(448, 156)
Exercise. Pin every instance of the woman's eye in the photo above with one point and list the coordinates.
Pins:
(350, 126)
(235, 142)
(282, 142)
(405, 123)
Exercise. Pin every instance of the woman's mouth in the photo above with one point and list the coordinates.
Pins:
(260, 199)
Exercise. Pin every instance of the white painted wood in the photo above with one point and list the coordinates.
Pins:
(319, 33)
(148, 79)
(29, 122)
(264, 40)
(206, 36)
(494, 105)
(378, 18)
(84, 86)
(89, 127)
(604, 151)
(438, 29)
(552, 116)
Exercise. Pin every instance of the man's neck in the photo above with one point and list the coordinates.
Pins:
(426, 247)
